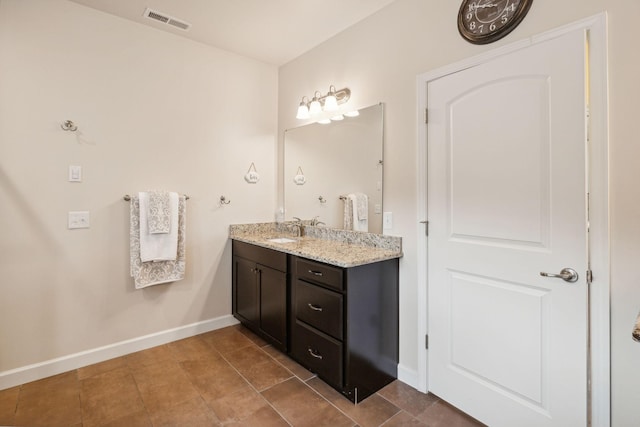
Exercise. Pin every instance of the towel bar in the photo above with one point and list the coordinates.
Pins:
(127, 198)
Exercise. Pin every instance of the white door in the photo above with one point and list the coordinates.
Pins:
(506, 201)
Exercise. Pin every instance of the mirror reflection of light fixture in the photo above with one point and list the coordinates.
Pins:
(337, 118)
(324, 121)
(320, 103)
(315, 107)
(354, 113)
(303, 110)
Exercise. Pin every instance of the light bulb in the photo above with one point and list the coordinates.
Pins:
(315, 107)
(303, 112)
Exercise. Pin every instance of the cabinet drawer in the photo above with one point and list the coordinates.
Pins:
(319, 307)
(319, 353)
(319, 273)
(274, 259)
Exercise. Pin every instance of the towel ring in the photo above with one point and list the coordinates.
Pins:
(68, 125)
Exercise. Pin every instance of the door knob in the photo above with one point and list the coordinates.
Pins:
(566, 274)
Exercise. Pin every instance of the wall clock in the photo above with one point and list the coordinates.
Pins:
(485, 21)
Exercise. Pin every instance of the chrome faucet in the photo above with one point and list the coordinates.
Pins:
(298, 225)
(315, 222)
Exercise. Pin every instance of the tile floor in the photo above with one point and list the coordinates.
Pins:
(228, 377)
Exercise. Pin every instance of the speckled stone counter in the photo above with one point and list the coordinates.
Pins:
(337, 247)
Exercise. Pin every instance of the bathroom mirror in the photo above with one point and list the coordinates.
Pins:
(325, 163)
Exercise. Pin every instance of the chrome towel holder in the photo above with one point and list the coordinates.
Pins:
(127, 198)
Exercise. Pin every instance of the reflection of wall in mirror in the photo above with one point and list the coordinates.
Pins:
(337, 159)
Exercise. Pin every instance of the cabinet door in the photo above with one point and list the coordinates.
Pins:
(273, 303)
(246, 290)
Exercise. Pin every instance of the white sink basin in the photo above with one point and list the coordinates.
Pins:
(281, 240)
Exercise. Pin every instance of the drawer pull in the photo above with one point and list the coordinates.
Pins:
(314, 354)
(316, 273)
(314, 307)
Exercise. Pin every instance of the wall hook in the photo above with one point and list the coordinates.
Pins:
(322, 199)
(224, 201)
(68, 125)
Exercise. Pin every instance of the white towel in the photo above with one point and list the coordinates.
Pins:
(362, 204)
(159, 212)
(158, 247)
(356, 206)
(154, 273)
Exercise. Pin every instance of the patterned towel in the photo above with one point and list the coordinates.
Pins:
(159, 212)
(156, 272)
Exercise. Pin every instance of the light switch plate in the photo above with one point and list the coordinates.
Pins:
(387, 220)
(78, 219)
(75, 173)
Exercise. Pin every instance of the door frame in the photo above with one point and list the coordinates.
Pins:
(597, 170)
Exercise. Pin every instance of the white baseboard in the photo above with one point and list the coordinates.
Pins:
(56, 366)
(409, 377)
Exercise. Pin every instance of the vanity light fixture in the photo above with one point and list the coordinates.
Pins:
(354, 113)
(320, 103)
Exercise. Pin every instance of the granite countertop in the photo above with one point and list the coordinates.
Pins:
(337, 247)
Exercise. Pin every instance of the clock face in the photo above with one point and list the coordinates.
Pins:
(485, 21)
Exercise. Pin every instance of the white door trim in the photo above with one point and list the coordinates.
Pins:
(598, 172)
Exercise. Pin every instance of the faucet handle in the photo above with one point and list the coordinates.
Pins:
(297, 219)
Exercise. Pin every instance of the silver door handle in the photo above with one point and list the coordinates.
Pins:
(566, 274)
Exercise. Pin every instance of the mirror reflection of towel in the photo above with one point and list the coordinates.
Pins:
(356, 208)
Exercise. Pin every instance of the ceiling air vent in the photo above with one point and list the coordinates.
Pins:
(166, 19)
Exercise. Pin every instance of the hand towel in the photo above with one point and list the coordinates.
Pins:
(154, 273)
(347, 216)
(353, 200)
(159, 212)
(158, 247)
(362, 202)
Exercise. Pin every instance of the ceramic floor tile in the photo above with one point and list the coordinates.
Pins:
(253, 337)
(109, 396)
(150, 356)
(191, 413)
(227, 340)
(164, 385)
(214, 380)
(371, 412)
(263, 417)
(407, 397)
(293, 366)
(441, 414)
(50, 402)
(102, 367)
(301, 406)
(404, 419)
(246, 357)
(193, 348)
(266, 374)
(238, 407)
(137, 419)
(8, 404)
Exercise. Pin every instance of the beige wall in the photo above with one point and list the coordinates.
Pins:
(154, 111)
(379, 59)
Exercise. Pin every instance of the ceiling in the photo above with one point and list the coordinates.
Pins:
(272, 31)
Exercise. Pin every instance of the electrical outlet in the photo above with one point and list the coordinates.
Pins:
(78, 219)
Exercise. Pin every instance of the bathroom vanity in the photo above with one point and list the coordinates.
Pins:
(329, 299)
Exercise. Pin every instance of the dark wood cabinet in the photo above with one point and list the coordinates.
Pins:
(259, 291)
(340, 323)
(345, 324)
